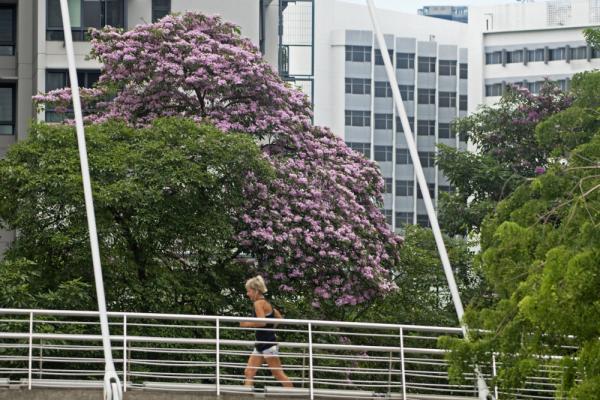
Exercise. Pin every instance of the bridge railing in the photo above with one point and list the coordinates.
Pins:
(50, 348)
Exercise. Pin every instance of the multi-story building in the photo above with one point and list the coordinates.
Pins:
(353, 96)
(33, 58)
(526, 43)
(450, 13)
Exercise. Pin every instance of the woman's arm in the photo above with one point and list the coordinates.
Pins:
(259, 310)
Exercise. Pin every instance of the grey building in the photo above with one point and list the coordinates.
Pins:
(450, 13)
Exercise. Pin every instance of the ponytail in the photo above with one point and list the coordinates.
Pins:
(257, 283)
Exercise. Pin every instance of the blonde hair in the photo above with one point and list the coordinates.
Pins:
(257, 283)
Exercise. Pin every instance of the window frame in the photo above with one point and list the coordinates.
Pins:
(447, 99)
(382, 86)
(404, 186)
(407, 92)
(403, 157)
(411, 121)
(428, 94)
(379, 57)
(361, 147)
(81, 33)
(355, 83)
(425, 127)
(365, 116)
(448, 68)
(405, 60)
(463, 72)
(13, 121)
(426, 61)
(83, 83)
(404, 218)
(388, 121)
(382, 153)
(353, 50)
(160, 9)
(427, 159)
(11, 43)
(445, 130)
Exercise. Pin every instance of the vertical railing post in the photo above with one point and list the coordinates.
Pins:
(390, 375)
(494, 376)
(41, 361)
(402, 364)
(311, 389)
(303, 366)
(124, 352)
(30, 350)
(218, 355)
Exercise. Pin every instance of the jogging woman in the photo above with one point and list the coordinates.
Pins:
(265, 348)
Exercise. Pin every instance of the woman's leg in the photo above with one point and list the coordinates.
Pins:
(274, 364)
(254, 363)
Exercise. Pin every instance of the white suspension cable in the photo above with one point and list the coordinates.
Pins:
(412, 148)
(112, 385)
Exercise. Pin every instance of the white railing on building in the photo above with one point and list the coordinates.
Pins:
(49, 348)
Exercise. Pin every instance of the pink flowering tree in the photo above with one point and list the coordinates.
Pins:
(316, 228)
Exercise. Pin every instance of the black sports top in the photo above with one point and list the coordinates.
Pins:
(265, 337)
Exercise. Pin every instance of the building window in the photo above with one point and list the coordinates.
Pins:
(84, 14)
(383, 121)
(426, 64)
(515, 56)
(383, 89)
(8, 29)
(464, 71)
(160, 8)
(402, 157)
(364, 148)
(494, 57)
(399, 128)
(427, 159)
(463, 102)
(404, 218)
(379, 57)
(426, 96)
(595, 53)
(448, 67)
(358, 53)
(447, 99)
(405, 61)
(58, 79)
(404, 188)
(493, 90)
(407, 92)
(388, 216)
(557, 54)
(425, 127)
(535, 55)
(534, 87)
(383, 153)
(445, 131)
(431, 187)
(8, 96)
(358, 86)
(446, 188)
(579, 53)
(358, 118)
(423, 220)
(387, 185)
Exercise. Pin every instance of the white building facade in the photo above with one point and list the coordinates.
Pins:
(526, 43)
(353, 96)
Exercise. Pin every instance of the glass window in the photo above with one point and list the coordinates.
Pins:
(463, 102)
(58, 79)
(535, 55)
(557, 54)
(407, 92)
(379, 58)
(445, 131)
(404, 188)
(358, 53)
(383, 153)
(388, 216)
(447, 99)
(579, 53)
(425, 127)
(426, 96)
(431, 187)
(84, 14)
(411, 121)
(8, 30)
(387, 185)
(364, 148)
(426, 64)
(358, 86)
(494, 57)
(464, 71)
(7, 109)
(383, 121)
(423, 220)
(446, 188)
(383, 89)
(358, 118)
(404, 218)
(448, 67)
(493, 89)
(515, 56)
(402, 156)
(427, 159)
(160, 8)
(405, 61)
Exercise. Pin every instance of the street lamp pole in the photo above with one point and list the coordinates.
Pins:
(112, 385)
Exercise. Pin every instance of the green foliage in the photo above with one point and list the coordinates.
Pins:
(167, 200)
(592, 37)
(541, 258)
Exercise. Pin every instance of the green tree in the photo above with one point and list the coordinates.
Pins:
(167, 200)
(541, 258)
